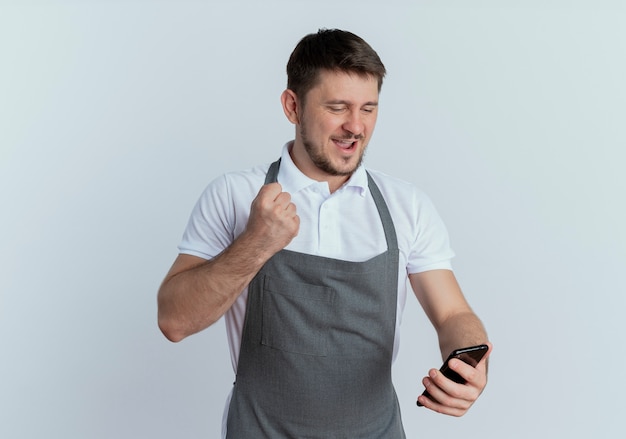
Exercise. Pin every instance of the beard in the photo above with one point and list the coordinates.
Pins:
(323, 162)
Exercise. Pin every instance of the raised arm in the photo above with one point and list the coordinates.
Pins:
(457, 326)
(197, 292)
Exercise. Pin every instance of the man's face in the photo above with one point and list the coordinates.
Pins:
(335, 125)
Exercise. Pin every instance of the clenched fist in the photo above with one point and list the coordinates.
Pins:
(273, 221)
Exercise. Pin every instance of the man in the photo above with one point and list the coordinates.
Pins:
(307, 260)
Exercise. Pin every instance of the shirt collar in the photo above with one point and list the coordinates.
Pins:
(293, 180)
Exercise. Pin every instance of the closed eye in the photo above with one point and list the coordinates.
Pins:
(336, 109)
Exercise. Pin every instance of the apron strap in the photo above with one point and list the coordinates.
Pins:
(383, 211)
(272, 172)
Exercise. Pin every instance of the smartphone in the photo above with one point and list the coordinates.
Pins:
(471, 355)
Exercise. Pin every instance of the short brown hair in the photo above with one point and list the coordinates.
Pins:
(334, 50)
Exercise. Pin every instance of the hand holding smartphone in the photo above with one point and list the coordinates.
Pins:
(470, 355)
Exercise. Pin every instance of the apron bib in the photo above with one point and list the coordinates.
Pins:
(317, 344)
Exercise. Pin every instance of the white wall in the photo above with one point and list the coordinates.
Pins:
(115, 115)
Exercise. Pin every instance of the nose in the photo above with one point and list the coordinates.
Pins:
(354, 124)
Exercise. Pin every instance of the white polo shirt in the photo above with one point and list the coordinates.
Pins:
(342, 225)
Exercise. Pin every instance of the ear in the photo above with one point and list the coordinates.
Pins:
(290, 106)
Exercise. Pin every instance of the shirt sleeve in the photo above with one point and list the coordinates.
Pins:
(210, 227)
(430, 249)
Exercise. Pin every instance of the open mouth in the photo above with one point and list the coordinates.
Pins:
(347, 145)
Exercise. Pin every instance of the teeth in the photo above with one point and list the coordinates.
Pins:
(344, 143)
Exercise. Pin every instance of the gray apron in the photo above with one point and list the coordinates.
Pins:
(317, 344)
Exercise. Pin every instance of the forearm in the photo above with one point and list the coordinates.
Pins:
(195, 297)
(456, 324)
(196, 293)
(461, 330)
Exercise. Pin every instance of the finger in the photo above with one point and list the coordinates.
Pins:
(270, 190)
(447, 392)
(283, 199)
(271, 198)
(296, 220)
(474, 376)
(467, 372)
(291, 210)
(435, 384)
(441, 408)
(440, 402)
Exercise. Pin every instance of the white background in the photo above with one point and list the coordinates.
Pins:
(115, 115)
